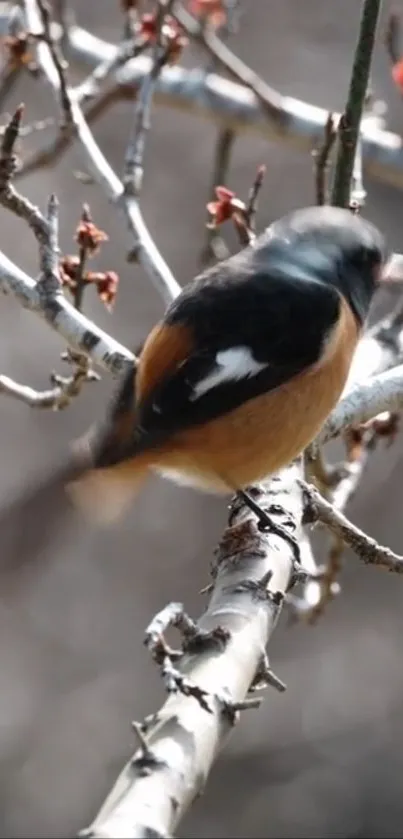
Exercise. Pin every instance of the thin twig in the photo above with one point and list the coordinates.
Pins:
(49, 153)
(9, 197)
(49, 279)
(269, 99)
(56, 398)
(60, 65)
(134, 157)
(366, 548)
(392, 38)
(144, 250)
(378, 351)
(349, 126)
(77, 330)
(44, 228)
(131, 11)
(90, 86)
(215, 245)
(253, 198)
(321, 157)
(339, 495)
(83, 254)
(220, 100)
(27, 130)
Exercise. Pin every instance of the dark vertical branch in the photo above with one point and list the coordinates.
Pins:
(321, 157)
(214, 246)
(350, 120)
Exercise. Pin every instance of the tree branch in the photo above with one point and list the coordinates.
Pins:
(349, 126)
(234, 105)
(252, 573)
(378, 351)
(366, 548)
(222, 657)
(144, 249)
(365, 401)
(74, 327)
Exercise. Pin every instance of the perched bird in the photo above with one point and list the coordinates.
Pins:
(238, 376)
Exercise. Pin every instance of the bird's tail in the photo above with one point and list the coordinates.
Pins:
(104, 494)
(30, 522)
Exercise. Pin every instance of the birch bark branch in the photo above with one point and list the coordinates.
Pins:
(222, 658)
(253, 571)
(229, 103)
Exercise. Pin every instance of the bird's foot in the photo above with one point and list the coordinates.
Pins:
(268, 525)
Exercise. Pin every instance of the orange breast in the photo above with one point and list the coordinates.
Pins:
(265, 433)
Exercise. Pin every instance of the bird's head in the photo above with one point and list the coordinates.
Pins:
(338, 247)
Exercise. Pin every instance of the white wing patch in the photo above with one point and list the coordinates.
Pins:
(230, 365)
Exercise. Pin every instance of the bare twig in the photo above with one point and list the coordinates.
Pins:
(26, 130)
(49, 279)
(366, 548)
(47, 292)
(31, 397)
(226, 102)
(392, 38)
(75, 328)
(378, 351)
(340, 494)
(131, 11)
(82, 257)
(269, 99)
(58, 397)
(59, 63)
(89, 87)
(321, 157)
(228, 206)
(18, 57)
(215, 245)
(51, 151)
(253, 198)
(350, 124)
(134, 167)
(145, 250)
(9, 197)
(48, 287)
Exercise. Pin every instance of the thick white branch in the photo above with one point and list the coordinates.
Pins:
(365, 401)
(224, 101)
(210, 95)
(75, 328)
(253, 572)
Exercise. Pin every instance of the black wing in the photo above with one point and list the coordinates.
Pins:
(283, 327)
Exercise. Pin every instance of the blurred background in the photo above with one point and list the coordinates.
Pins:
(326, 758)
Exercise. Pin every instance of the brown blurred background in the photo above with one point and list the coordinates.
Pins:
(326, 758)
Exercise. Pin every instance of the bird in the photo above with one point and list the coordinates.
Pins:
(233, 382)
